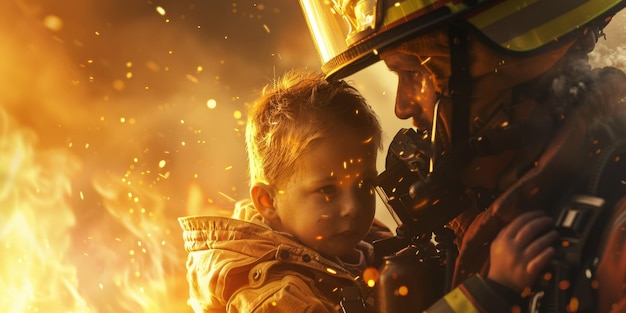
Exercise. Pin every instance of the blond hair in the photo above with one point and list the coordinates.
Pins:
(295, 110)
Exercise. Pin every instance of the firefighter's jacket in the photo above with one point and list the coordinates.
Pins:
(584, 136)
(242, 265)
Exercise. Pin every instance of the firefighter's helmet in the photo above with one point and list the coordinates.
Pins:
(350, 33)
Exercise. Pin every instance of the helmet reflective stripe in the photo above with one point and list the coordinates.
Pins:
(535, 23)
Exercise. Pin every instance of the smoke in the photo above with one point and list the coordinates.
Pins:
(611, 49)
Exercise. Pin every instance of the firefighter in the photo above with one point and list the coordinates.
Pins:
(511, 118)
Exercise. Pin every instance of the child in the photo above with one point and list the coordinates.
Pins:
(297, 245)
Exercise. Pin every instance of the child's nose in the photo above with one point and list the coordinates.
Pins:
(351, 205)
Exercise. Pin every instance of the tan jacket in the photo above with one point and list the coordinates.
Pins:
(242, 265)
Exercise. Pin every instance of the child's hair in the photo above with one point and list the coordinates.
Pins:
(297, 109)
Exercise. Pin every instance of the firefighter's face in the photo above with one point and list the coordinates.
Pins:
(416, 96)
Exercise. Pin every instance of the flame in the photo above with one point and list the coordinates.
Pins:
(36, 274)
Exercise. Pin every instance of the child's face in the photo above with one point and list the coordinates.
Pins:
(329, 202)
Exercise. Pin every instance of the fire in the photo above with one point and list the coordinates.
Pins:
(36, 274)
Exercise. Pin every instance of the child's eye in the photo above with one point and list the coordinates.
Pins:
(330, 189)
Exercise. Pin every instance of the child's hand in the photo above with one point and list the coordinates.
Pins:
(522, 249)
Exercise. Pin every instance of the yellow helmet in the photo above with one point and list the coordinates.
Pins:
(349, 33)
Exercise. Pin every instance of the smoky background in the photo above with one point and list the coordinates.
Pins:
(117, 117)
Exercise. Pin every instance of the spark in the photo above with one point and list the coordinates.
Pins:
(211, 103)
(227, 197)
(192, 78)
(53, 23)
(160, 10)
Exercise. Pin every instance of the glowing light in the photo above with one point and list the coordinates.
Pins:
(370, 276)
(211, 104)
(160, 10)
(403, 291)
(332, 271)
(573, 304)
(319, 237)
(237, 114)
(53, 23)
(192, 78)
(162, 164)
(118, 85)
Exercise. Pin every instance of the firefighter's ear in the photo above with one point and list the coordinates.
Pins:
(263, 198)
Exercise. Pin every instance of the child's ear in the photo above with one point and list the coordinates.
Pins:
(263, 198)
